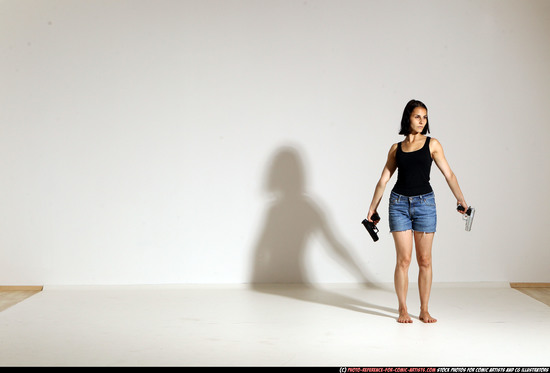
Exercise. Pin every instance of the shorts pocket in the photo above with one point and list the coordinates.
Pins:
(429, 201)
(394, 198)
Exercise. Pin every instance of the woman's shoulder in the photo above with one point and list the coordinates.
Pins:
(435, 145)
(434, 141)
(393, 151)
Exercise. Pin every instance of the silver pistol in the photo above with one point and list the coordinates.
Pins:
(468, 216)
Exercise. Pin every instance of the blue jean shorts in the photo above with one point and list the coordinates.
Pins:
(417, 213)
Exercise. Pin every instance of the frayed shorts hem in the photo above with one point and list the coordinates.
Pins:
(410, 229)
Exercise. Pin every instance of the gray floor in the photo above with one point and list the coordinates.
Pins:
(340, 325)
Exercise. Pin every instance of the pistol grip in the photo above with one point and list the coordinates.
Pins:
(371, 228)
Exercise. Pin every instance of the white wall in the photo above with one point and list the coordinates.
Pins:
(140, 140)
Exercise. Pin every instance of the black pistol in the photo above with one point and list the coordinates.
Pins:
(371, 227)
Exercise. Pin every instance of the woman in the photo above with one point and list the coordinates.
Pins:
(412, 210)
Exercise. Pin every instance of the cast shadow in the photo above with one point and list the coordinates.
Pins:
(292, 219)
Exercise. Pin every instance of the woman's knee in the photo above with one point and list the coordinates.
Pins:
(404, 262)
(424, 261)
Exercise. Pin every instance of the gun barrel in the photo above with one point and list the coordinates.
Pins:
(469, 218)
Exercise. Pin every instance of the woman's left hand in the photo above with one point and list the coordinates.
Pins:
(463, 204)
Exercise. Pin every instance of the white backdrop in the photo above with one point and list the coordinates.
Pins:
(143, 142)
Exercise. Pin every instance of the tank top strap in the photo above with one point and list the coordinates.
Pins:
(427, 147)
(427, 142)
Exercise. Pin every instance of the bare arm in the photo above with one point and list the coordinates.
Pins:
(439, 158)
(387, 173)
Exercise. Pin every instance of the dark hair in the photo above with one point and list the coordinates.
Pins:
(406, 119)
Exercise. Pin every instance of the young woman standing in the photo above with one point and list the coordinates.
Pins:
(412, 209)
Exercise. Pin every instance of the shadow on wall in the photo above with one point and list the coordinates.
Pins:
(290, 221)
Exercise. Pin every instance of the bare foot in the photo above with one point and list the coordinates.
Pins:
(426, 317)
(404, 317)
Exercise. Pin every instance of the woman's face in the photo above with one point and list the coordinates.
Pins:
(419, 118)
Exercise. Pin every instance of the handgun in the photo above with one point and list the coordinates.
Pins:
(468, 216)
(371, 227)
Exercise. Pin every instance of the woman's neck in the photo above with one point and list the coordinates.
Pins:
(412, 137)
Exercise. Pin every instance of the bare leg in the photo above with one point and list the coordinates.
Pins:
(403, 247)
(423, 243)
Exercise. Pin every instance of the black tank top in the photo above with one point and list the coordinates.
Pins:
(413, 171)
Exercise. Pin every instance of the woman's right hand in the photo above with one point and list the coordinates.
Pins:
(369, 216)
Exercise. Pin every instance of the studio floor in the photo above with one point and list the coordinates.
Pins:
(292, 325)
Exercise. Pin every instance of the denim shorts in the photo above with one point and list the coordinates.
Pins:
(417, 213)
